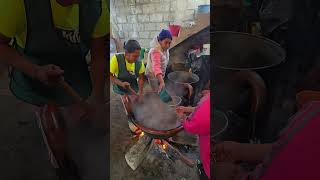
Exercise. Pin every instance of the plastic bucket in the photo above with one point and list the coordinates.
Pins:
(204, 8)
(174, 29)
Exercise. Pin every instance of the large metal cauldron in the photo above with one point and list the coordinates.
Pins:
(182, 84)
(241, 51)
(258, 56)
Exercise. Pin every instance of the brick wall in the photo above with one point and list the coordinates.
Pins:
(143, 19)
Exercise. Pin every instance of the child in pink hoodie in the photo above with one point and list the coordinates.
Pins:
(199, 123)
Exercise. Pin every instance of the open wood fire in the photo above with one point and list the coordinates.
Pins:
(138, 152)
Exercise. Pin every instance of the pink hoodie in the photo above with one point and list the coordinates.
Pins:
(295, 155)
(199, 123)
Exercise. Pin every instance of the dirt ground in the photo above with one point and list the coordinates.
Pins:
(153, 167)
(23, 154)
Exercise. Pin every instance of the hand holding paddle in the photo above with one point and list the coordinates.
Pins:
(128, 87)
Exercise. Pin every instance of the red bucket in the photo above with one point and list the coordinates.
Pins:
(174, 29)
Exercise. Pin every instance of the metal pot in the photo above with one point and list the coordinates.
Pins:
(153, 133)
(220, 123)
(242, 51)
(181, 83)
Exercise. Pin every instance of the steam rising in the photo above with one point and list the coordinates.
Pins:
(155, 114)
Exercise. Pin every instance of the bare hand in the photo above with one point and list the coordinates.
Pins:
(227, 151)
(205, 92)
(184, 109)
(125, 85)
(181, 116)
(49, 74)
(161, 86)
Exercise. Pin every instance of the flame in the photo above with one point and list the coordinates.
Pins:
(141, 134)
(164, 146)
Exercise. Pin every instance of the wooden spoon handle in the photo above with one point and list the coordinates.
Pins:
(74, 95)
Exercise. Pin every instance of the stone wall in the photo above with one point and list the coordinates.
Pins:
(143, 19)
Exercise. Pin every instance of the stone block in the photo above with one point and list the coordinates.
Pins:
(168, 17)
(150, 26)
(121, 19)
(143, 18)
(164, 7)
(118, 26)
(189, 15)
(138, 27)
(133, 35)
(162, 26)
(181, 5)
(191, 4)
(148, 8)
(144, 35)
(156, 18)
(127, 27)
(121, 34)
(119, 2)
(124, 11)
(154, 34)
(145, 42)
(132, 19)
(131, 2)
(173, 5)
(135, 10)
